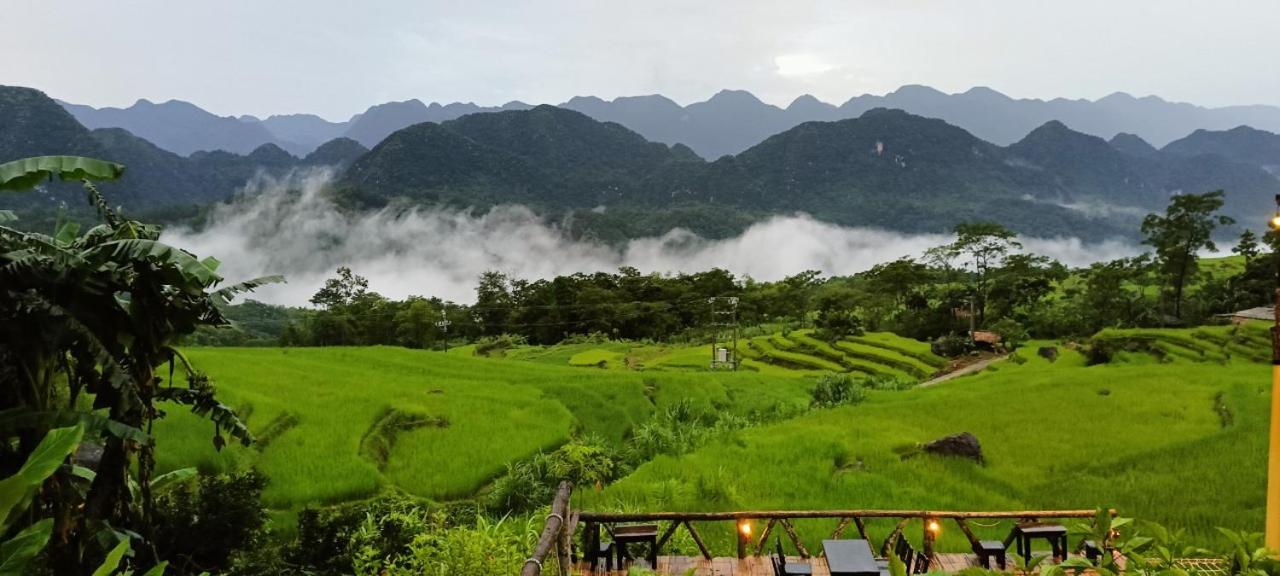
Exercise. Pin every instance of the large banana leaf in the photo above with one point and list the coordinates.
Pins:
(16, 490)
(160, 253)
(109, 565)
(24, 174)
(17, 553)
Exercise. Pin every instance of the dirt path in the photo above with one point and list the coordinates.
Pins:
(967, 370)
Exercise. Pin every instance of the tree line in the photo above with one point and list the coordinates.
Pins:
(982, 279)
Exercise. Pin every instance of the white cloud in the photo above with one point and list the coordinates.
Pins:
(288, 227)
(801, 65)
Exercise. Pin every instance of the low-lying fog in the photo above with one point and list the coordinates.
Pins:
(287, 227)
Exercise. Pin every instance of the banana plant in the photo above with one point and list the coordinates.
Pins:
(97, 313)
(18, 553)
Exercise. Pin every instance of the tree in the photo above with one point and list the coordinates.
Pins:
(1021, 283)
(98, 314)
(341, 291)
(985, 245)
(1247, 247)
(836, 317)
(493, 302)
(1185, 229)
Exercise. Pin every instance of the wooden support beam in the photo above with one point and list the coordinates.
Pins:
(844, 523)
(927, 542)
(697, 539)
(892, 538)
(566, 544)
(968, 533)
(764, 536)
(791, 532)
(666, 535)
(862, 528)
(551, 533)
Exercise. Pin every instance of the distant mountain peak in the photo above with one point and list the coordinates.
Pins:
(734, 97)
(809, 103)
(986, 93)
(269, 154)
(584, 101)
(1132, 144)
(917, 90)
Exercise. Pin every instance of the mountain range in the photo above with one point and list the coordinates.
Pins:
(156, 180)
(729, 122)
(886, 168)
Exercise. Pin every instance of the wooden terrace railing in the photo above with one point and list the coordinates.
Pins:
(562, 523)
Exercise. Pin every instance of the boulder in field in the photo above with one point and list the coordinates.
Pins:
(963, 445)
(1049, 353)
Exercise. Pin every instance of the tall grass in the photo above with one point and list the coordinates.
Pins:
(1153, 445)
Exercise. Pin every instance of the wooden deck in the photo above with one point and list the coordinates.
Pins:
(760, 566)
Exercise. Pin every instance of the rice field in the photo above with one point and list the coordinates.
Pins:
(1181, 442)
(315, 410)
(1172, 429)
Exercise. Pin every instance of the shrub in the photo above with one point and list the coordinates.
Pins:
(199, 525)
(837, 324)
(1012, 334)
(951, 346)
(837, 390)
(323, 545)
(586, 461)
(498, 345)
(486, 548)
(1099, 351)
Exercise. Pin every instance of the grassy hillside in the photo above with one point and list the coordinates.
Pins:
(326, 433)
(1181, 442)
(1173, 428)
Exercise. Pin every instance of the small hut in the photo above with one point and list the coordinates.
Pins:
(1264, 313)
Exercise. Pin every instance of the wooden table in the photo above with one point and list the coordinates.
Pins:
(1056, 535)
(850, 558)
(636, 534)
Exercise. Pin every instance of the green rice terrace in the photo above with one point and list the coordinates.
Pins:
(1167, 425)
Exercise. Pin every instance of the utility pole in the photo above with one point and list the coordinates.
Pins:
(1272, 535)
(443, 324)
(720, 319)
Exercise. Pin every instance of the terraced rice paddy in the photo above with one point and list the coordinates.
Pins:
(1172, 429)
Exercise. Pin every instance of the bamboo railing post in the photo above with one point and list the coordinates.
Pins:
(551, 533)
(927, 542)
(743, 532)
(844, 523)
(892, 538)
(697, 539)
(968, 533)
(862, 528)
(764, 536)
(791, 532)
(566, 542)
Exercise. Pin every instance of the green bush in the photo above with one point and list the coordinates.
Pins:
(837, 390)
(200, 525)
(528, 484)
(498, 345)
(951, 346)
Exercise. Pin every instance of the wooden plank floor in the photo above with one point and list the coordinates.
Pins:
(753, 566)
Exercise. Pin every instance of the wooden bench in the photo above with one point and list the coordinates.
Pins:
(988, 549)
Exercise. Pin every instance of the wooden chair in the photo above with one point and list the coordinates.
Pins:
(783, 568)
(915, 563)
(988, 549)
(1091, 551)
(601, 550)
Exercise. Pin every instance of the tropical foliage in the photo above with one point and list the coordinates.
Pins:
(87, 319)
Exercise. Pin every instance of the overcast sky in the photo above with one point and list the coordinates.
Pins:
(337, 57)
